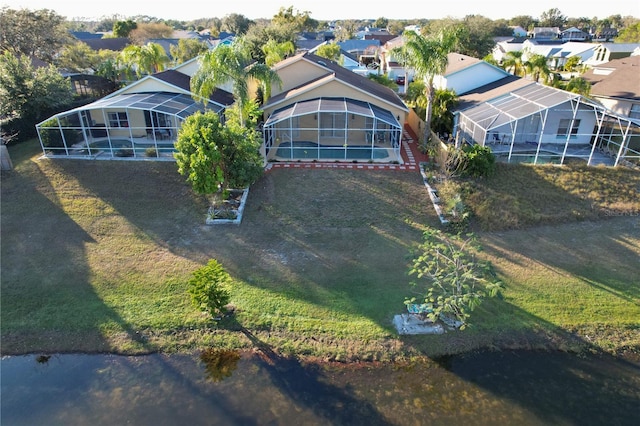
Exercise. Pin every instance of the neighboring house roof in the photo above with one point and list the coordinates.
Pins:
(309, 35)
(86, 35)
(173, 81)
(516, 103)
(620, 47)
(458, 61)
(382, 38)
(545, 32)
(178, 34)
(358, 45)
(306, 44)
(332, 72)
(116, 44)
(491, 91)
(619, 78)
(393, 43)
(348, 55)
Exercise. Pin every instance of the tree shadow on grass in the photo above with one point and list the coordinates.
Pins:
(48, 302)
(602, 254)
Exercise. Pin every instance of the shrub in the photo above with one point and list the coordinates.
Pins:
(209, 288)
(479, 161)
(151, 152)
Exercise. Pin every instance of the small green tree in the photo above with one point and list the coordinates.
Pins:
(186, 49)
(454, 280)
(209, 288)
(217, 157)
(330, 51)
(124, 28)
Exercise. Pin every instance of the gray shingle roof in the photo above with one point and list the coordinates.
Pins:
(183, 81)
(622, 82)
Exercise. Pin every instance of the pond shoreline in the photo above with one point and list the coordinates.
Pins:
(399, 350)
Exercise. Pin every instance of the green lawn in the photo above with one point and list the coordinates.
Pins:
(96, 256)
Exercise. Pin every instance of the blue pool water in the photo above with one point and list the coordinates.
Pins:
(311, 150)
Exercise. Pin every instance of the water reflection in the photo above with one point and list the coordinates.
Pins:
(219, 363)
(514, 388)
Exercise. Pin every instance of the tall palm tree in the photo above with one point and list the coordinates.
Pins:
(153, 58)
(232, 64)
(428, 56)
(513, 63)
(275, 52)
(537, 67)
(147, 59)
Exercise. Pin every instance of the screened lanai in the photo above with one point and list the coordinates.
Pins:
(335, 129)
(539, 124)
(125, 125)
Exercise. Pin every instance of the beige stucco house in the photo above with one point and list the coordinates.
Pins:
(140, 120)
(325, 112)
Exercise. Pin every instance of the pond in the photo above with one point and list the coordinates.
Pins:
(226, 388)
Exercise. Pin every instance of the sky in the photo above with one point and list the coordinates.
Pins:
(329, 9)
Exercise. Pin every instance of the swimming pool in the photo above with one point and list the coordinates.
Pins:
(311, 150)
(124, 147)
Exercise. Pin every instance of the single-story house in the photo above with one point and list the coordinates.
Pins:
(326, 112)
(524, 121)
(140, 120)
(574, 34)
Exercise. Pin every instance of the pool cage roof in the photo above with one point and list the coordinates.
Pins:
(176, 104)
(516, 105)
(333, 105)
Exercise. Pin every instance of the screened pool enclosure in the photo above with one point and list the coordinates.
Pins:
(539, 124)
(332, 129)
(125, 125)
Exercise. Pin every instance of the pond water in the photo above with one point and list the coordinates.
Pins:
(225, 388)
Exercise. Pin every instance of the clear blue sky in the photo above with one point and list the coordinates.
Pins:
(330, 9)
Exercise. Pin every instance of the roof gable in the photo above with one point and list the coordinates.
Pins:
(330, 71)
(171, 81)
(457, 62)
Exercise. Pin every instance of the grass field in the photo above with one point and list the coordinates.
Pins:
(96, 256)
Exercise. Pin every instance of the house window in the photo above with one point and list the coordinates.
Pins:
(118, 119)
(635, 111)
(563, 127)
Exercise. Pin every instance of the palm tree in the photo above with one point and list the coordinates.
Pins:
(147, 59)
(153, 58)
(275, 52)
(444, 101)
(428, 56)
(512, 62)
(579, 85)
(232, 64)
(537, 67)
